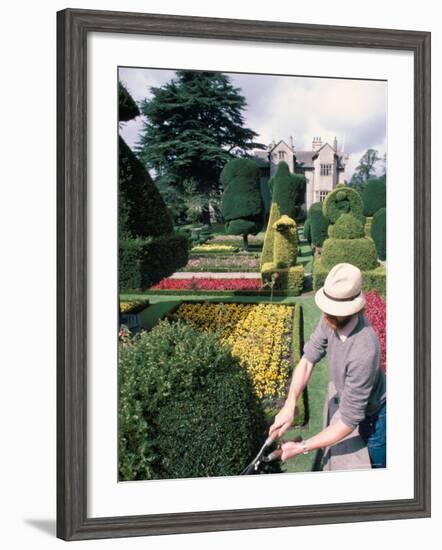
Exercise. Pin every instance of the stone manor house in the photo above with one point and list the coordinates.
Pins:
(324, 165)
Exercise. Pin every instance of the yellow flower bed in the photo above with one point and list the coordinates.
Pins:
(215, 248)
(258, 334)
(132, 305)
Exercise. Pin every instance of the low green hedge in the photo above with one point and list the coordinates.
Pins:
(144, 262)
(290, 279)
(301, 417)
(371, 279)
(186, 406)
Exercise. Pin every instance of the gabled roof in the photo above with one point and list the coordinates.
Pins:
(279, 142)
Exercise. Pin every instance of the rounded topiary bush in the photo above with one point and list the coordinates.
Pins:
(359, 252)
(186, 406)
(374, 196)
(318, 224)
(378, 232)
(347, 227)
(342, 200)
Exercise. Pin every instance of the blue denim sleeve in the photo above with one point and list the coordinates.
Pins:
(316, 347)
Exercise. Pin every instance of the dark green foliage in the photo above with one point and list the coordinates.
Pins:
(242, 205)
(308, 230)
(142, 211)
(193, 125)
(378, 232)
(127, 108)
(342, 200)
(318, 224)
(186, 407)
(144, 262)
(347, 227)
(374, 196)
(359, 252)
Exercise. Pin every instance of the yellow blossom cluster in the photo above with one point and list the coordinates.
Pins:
(227, 248)
(258, 334)
(131, 306)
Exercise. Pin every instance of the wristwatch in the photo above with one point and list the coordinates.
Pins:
(304, 448)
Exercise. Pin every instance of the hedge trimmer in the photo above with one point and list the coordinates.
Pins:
(260, 458)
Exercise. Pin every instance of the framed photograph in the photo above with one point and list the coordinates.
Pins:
(243, 274)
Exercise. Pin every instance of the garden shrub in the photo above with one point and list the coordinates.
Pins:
(186, 407)
(290, 279)
(342, 200)
(374, 196)
(287, 189)
(301, 411)
(371, 279)
(127, 108)
(347, 227)
(285, 244)
(242, 204)
(139, 199)
(367, 226)
(359, 252)
(378, 232)
(307, 231)
(144, 262)
(318, 224)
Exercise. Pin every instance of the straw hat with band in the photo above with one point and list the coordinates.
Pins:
(342, 293)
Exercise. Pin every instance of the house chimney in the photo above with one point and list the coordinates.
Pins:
(291, 143)
(316, 143)
(335, 144)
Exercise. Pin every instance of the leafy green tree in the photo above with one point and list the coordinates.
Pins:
(242, 205)
(366, 168)
(374, 196)
(193, 125)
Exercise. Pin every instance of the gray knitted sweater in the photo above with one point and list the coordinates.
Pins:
(354, 368)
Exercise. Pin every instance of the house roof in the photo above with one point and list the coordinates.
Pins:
(280, 141)
(305, 158)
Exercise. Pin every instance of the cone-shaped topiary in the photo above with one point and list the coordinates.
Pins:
(149, 250)
(242, 204)
(307, 231)
(127, 108)
(378, 232)
(318, 224)
(374, 196)
(342, 200)
(285, 196)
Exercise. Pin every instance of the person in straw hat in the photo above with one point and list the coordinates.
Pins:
(353, 352)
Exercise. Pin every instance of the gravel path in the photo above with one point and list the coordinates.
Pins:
(213, 275)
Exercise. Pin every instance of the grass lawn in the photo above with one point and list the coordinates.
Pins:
(317, 389)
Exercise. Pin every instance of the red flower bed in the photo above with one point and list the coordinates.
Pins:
(206, 283)
(375, 311)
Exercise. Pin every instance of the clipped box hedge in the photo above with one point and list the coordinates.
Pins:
(290, 279)
(144, 262)
(371, 278)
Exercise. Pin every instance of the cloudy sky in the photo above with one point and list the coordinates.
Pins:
(303, 107)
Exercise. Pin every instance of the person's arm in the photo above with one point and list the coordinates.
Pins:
(285, 417)
(314, 351)
(326, 438)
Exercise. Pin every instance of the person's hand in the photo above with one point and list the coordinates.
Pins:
(291, 449)
(283, 421)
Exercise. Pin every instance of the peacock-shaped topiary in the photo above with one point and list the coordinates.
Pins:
(283, 269)
(347, 243)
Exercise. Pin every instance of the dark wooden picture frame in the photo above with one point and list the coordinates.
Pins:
(73, 27)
